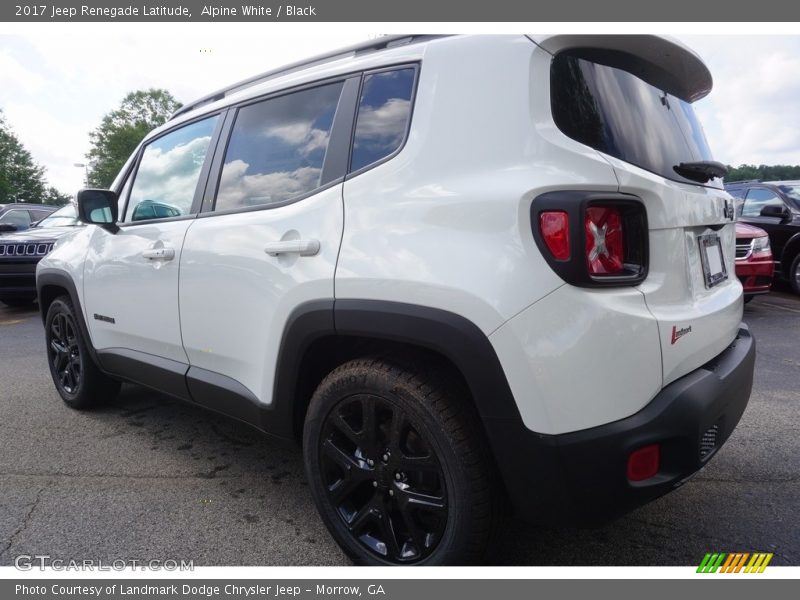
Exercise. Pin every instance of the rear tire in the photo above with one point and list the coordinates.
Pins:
(77, 379)
(399, 466)
(794, 275)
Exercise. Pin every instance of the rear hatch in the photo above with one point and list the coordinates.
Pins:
(632, 103)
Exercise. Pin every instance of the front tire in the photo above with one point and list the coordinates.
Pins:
(77, 379)
(794, 275)
(398, 465)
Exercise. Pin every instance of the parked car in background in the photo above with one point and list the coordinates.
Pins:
(19, 217)
(21, 251)
(774, 206)
(754, 263)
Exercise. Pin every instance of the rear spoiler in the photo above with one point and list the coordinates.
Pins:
(660, 61)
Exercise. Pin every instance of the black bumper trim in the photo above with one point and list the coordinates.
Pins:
(591, 484)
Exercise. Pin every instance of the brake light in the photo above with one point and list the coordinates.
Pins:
(554, 225)
(605, 252)
(644, 463)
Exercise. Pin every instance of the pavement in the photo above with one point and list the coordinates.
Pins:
(149, 478)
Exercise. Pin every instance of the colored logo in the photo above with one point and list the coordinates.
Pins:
(679, 333)
(735, 562)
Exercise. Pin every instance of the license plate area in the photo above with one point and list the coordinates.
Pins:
(714, 271)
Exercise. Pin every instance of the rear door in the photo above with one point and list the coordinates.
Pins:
(268, 239)
(645, 133)
(131, 277)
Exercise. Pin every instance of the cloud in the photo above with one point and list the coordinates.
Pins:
(238, 189)
(170, 176)
(302, 135)
(384, 124)
(753, 113)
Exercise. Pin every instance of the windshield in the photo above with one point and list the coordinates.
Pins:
(619, 114)
(793, 191)
(66, 216)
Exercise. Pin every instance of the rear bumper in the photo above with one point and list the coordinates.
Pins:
(589, 483)
(17, 279)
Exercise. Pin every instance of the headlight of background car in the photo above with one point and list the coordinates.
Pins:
(761, 246)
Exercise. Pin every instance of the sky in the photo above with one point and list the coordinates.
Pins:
(56, 83)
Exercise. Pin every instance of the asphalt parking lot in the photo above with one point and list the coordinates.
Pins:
(150, 478)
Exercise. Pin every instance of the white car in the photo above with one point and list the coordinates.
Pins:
(472, 274)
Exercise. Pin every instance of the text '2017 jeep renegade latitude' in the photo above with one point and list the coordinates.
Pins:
(471, 273)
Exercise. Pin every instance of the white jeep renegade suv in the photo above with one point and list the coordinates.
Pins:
(473, 274)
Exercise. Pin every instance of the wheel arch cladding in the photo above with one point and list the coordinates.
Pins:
(344, 329)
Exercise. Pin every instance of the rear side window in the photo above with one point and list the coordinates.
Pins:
(619, 114)
(166, 180)
(277, 148)
(383, 115)
(757, 199)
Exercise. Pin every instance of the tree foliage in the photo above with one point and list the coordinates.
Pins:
(21, 179)
(763, 172)
(122, 129)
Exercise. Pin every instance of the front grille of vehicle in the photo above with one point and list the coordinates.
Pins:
(708, 442)
(25, 248)
(743, 248)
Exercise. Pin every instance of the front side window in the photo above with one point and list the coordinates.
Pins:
(277, 148)
(383, 114)
(166, 180)
(757, 199)
(616, 112)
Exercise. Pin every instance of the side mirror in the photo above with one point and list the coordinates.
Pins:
(775, 211)
(7, 227)
(99, 207)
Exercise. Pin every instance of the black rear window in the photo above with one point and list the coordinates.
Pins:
(617, 113)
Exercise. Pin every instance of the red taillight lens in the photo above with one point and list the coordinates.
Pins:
(554, 225)
(604, 240)
(644, 462)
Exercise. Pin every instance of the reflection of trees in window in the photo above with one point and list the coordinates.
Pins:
(383, 114)
(277, 148)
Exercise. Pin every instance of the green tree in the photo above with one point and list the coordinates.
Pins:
(763, 172)
(55, 198)
(21, 179)
(122, 129)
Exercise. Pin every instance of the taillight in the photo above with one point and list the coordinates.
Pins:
(554, 225)
(605, 240)
(592, 239)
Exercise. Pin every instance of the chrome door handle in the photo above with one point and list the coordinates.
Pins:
(301, 247)
(159, 253)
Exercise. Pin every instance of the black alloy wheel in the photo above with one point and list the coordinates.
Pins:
(78, 380)
(65, 353)
(383, 478)
(398, 463)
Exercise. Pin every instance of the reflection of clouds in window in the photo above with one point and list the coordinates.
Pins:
(382, 128)
(383, 114)
(168, 172)
(303, 135)
(277, 148)
(170, 175)
(240, 189)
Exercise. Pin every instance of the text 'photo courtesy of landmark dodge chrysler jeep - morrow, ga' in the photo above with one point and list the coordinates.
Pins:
(472, 275)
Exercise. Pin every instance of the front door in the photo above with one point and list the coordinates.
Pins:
(131, 277)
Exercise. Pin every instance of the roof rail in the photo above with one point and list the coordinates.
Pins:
(382, 43)
(744, 181)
